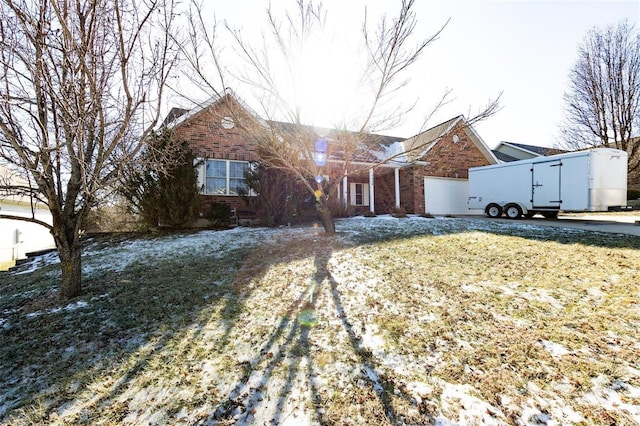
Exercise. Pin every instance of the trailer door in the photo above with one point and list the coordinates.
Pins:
(545, 181)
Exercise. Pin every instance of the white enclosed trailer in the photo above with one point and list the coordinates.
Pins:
(584, 181)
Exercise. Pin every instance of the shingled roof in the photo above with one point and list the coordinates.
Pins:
(532, 149)
(372, 148)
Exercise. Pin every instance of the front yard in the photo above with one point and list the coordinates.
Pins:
(392, 321)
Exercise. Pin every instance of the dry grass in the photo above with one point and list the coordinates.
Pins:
(402, 321)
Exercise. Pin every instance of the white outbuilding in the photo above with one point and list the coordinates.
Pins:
(18, 237)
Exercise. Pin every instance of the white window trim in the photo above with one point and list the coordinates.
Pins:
(202, 176)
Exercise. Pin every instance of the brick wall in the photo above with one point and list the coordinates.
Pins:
(446, 159)
(385, 191)
(453, 159)
(209, 139)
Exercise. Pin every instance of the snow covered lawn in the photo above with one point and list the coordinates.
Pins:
(392, 321)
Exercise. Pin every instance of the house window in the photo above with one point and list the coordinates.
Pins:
(225, 177)
(359, 194)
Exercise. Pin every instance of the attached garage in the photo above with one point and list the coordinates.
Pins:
(446, 196)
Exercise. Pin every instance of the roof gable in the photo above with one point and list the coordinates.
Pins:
(236, 108)
(419, 145)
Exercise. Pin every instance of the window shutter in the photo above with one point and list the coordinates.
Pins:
(365, 194)
(200, 164)
(352, 194)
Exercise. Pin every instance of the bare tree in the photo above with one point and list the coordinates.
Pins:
(81, 86)
(270, 70)
(603, 101)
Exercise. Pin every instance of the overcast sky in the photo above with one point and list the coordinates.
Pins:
(524, 49)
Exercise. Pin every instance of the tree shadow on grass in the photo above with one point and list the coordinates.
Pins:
(290, 347)
(105, 339)
(287, 353)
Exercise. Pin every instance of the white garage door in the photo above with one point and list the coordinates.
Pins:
(447, 196)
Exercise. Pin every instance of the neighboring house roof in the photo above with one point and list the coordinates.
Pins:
(174, 114)
(505, 158)
(511, 151)
(14, 188)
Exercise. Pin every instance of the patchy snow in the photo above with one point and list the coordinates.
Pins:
(614, 397)
(68, 308)
(279, 387)
(555, 349)
(461, 405)
(394, 154)
(542, 295)
(50, 258)
(148, 251)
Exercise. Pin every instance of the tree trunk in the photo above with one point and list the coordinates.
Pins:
(71, 264)
(326, 218)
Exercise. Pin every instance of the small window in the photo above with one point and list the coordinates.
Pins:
(227, 123)
(359, 194)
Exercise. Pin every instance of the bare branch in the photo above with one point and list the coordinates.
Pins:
(82, 84)
(272, 72)
(603, 102)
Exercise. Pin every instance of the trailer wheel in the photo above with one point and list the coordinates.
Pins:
(513, 211)
(493, 210)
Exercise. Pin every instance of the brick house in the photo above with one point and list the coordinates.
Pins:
(226, 149)
(424, 173)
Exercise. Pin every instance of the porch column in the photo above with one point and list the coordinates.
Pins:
(396, 176)
(345, 191)
(372, 199)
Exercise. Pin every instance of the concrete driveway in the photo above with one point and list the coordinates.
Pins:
(620, 224)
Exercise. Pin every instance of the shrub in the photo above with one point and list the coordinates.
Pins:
(219, 214)
(398, 212)
(161, 185)
(633, 194)
(279, 198)
(369, 213)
